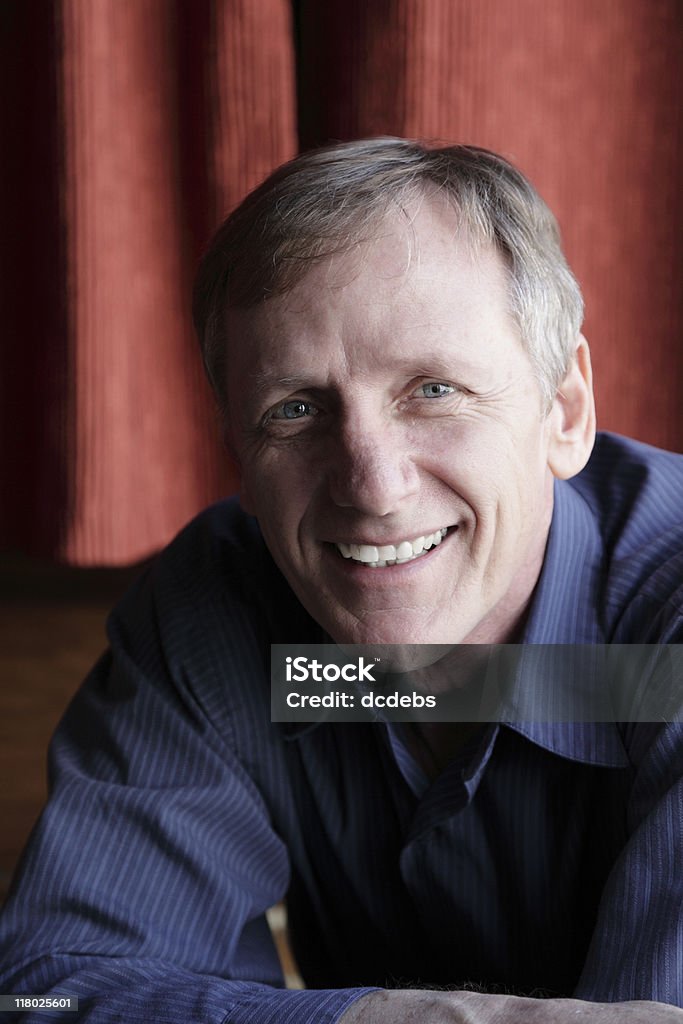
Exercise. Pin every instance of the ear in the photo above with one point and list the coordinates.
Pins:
(572, 417)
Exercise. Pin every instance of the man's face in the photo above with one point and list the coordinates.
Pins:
(384, 411)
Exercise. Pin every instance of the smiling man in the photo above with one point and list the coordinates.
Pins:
(386, 416)
(393, 336)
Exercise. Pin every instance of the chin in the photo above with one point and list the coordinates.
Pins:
(392, 630)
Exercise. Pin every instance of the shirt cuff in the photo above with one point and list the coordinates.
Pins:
(266, 1005)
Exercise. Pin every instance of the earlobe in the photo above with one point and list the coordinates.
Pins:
(572, 426)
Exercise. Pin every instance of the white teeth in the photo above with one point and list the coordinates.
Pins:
(391, 554)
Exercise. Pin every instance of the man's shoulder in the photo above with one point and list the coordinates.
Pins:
(221, 548)
(633, 487)
(635, 493)
(219, 563)
(196, 627)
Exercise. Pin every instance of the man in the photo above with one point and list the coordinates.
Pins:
(393, 336)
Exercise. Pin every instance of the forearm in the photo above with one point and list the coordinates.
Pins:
(415, 1006)
(138, 990)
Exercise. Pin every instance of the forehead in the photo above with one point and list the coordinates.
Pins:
(416, 260)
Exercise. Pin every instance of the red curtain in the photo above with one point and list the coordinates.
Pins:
(133, 126)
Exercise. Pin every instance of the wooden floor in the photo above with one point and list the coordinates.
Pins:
(51, 632)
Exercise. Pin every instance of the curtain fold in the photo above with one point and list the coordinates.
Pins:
(134, 126)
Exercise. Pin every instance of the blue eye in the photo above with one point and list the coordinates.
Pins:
(436, 390)
(294, 410)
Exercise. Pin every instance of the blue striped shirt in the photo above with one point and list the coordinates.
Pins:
(546, 858)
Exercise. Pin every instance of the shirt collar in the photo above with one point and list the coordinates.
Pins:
(564, 607)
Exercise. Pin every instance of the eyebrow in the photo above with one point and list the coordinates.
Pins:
(264, 382)
(424, 365)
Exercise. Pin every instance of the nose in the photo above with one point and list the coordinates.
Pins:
(371, 470)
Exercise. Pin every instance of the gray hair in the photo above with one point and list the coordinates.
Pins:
(325, 201)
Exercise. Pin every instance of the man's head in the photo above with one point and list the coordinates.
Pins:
(393, 334)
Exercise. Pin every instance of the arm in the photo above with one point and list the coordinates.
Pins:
(145, 883)
(417, 1007)
(636, 953)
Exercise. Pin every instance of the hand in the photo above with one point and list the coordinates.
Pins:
(417, 1006)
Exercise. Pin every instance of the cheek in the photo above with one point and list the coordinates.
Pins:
(261, 475)
(273, 492)
(253, 485)
(473, 461)
(503, 480)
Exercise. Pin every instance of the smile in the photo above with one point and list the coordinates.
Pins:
(379, 556)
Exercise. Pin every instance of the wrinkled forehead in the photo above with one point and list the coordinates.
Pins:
(343, 241)
(416, 276)
(405, 247)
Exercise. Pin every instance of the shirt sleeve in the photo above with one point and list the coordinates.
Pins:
(144, 885)
(636, 949)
